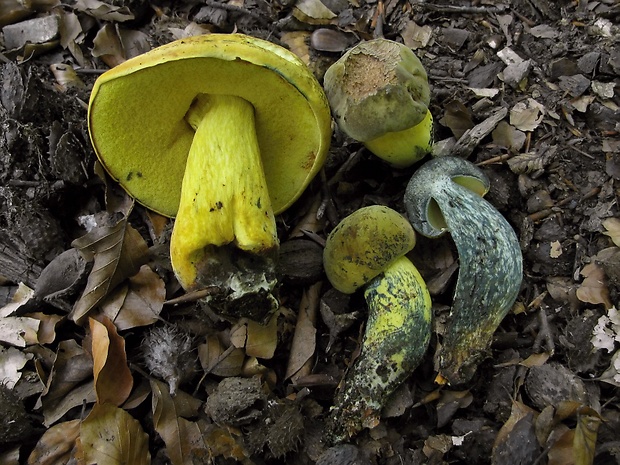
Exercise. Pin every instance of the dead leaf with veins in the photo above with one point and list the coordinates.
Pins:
(110, 435)
(118, 252)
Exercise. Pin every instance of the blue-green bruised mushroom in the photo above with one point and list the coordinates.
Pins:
(445, 194)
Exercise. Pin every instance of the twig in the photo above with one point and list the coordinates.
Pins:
(455, 9)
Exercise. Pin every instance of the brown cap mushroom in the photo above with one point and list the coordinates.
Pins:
(222, 131)
(379, 95)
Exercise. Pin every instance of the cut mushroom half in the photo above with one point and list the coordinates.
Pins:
(223, 131)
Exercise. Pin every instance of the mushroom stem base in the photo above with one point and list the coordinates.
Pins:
(225, 235)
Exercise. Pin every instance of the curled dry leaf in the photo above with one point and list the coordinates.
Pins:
(109, 435)
(113, 380)
(104, 11)
(118, 251)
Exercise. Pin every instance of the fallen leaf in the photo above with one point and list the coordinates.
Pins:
(612, 374)
(594, 288)
(19, 331)
(304, 339)
(137, 304)
(612, 229)
(532, 162)
(168, 414)
(118, 252)
(104, 11)
(508, 136)
(527, 115)
(56, 445)
(258, 340)
(216, 359)
(69, 382)
(457, 118)
(313, 12)
(113, 380)
(110, 436)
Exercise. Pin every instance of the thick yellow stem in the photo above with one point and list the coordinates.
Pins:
(224, 197)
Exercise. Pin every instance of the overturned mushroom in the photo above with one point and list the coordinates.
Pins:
(367, 249)
(222, 131)
(379, 95)
(445, 194)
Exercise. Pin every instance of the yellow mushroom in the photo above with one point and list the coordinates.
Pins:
(223, 131)
(367, 250)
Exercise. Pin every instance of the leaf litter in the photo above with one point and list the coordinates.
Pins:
(550, 160)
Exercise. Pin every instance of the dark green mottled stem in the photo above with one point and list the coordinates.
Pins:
(490, 258)
(396, 338)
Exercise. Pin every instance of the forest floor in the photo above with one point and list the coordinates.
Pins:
(538, 78)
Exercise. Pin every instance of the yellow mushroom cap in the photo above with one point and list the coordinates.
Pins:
(137, 115)
(364, 244)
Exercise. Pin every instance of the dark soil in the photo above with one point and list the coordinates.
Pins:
(554, 182)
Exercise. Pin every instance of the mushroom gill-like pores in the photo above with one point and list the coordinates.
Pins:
(367, 250)
(379, 95)
(223, 131)
(445, 194)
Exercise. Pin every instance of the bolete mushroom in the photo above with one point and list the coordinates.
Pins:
(223, 131)
(367, 250)
(379, 95)
(445, 194)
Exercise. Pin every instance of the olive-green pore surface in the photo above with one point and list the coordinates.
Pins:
(138, 127)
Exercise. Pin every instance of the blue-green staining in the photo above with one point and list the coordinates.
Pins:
(445, 195)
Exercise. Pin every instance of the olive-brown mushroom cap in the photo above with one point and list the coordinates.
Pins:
(137, 115)
(364, 244)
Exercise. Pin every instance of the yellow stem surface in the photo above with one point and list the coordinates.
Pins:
(224, 196)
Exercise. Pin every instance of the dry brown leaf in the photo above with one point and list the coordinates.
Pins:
(457, 118)
(104, 11)
(110, 436)
(535, 360)
(258, 340)
(584, 441)
(530, 162)
(137, 304)
(508, 136)
(215, 359)
(47, 328)
(612, 229)
(168, 414)
(313, 12)
(57, 444)
(594, 288)
(69, 383)
(518, 412)
(304, 339)
(113, 380)
(527, 115)
(118, 251)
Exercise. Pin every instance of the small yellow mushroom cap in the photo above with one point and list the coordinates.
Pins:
(137, 115)
(364, 244)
